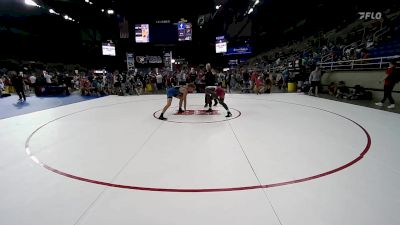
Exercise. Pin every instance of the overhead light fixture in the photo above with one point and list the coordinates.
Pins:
(217, 7)
(51, 11)
(257, 1)
(110, 11)
(66, 17)
(31, 3)
(87, 1)
(102, 10)
(251, 10)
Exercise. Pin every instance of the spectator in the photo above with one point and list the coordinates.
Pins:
(47, 77)
(285, 75)
(159, 79)
(228, 78)
(246, 80)
(238, 80)
(268, 82)
(332, 89)
(192, 75)
(32, 80)
(253, 79)
(179, 77)
(183, 77)
(259, 85)
(315, 80)
(68, 81)
(18, 83)
(220, 78)
(392, 77)
(342, 91)
(2, 88)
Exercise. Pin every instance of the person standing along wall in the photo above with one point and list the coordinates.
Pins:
(315, 81)
(392, 77)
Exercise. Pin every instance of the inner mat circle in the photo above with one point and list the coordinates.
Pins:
(196, 114)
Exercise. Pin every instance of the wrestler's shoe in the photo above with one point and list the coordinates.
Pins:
(162, 118)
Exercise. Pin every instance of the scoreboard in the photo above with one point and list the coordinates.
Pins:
(142, 33)
(184, 31)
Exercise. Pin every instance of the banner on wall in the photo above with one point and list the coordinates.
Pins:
(239, 51)
(168, 60)
(130, 61)
(148, 59)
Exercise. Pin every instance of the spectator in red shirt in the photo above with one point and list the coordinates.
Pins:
(259, 85)
(392, 77)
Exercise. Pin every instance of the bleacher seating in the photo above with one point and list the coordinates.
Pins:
(388, 48)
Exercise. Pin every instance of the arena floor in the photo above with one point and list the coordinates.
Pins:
(286, 159)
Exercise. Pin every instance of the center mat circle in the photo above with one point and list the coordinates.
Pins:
(198, 115)
(222, 189)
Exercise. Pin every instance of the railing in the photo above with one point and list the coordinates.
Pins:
(359, 64)
(380, 33)
(327, 57)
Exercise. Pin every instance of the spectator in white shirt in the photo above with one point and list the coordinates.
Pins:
(1, 85)
(315, 80)
(32, 79)
(183, 77)
(159, 79)
(47, 77)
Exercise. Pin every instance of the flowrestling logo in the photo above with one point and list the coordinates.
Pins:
(370, 15)
(149, 59)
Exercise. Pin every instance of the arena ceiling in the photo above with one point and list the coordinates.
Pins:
(274, 22)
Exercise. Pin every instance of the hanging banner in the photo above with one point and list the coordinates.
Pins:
(130, 61)
(168, 60)
(148, 59)
(239, 51)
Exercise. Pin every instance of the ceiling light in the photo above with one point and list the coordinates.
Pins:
(51, 11)
(217, 7)
(87, 1)
(31, 3)
(102, 10)
(251, 10)
(110, 11)
(257, 1)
